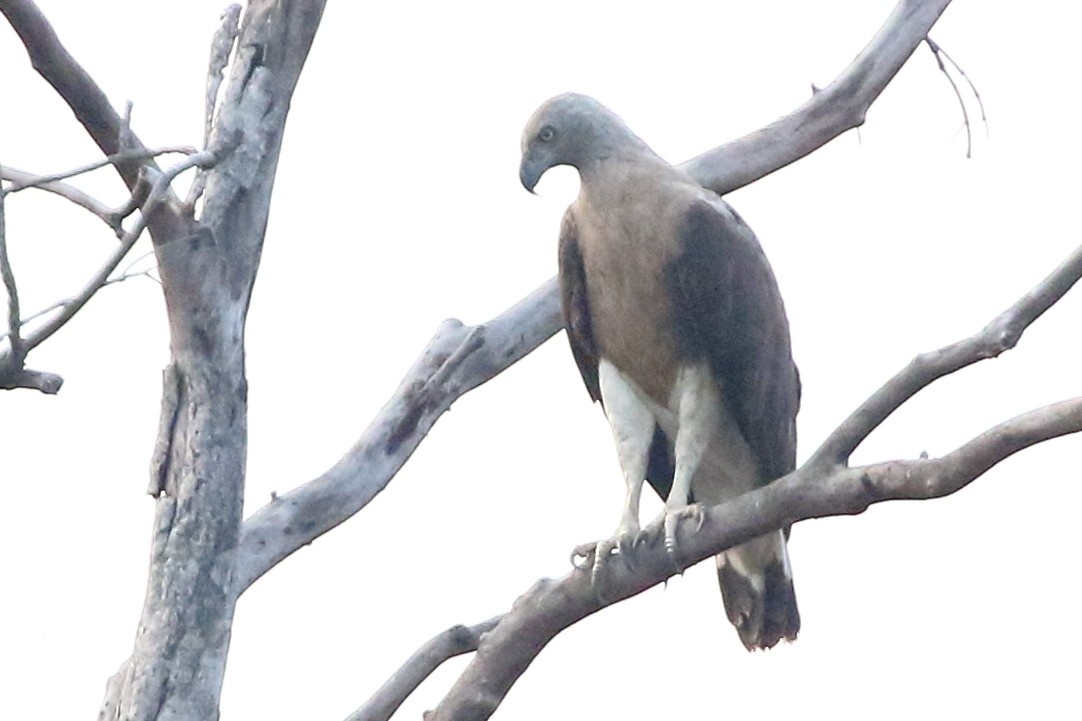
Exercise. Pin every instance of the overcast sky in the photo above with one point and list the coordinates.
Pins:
(397, 204)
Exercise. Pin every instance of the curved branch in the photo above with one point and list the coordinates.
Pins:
(11, 292)
(74, 85)
(838, 107)
(22, 179)
(457, 359)
(551, 606)
(157, 195)
(124, 156)
(455, 641)
(1002, 334)
(87, 101)
(939, 55)
(823, 486)
(295, 519)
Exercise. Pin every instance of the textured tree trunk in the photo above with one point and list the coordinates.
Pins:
(208, 266)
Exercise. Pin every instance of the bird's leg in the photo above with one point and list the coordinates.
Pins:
(627, 532)
(697, 413)
(632, 425)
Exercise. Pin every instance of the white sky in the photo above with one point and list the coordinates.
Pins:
(397, 204)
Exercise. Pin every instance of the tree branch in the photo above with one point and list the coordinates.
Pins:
(74, 85)
(17, 348)
(159, 191)
(457, 359)
(21, 178)
(91, 107)
(823, 486)
(297, 518)
(455, 641)
(1000, 335)
(47, 383)
(939, 55)
(838, 107)
(551, 606)
(123, 156)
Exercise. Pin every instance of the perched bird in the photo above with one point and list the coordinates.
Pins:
(678, 328)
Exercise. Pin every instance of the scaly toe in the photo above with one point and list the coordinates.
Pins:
(602, 554)
(672, 550)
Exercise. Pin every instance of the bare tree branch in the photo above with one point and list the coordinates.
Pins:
(833, 110)
(823, 486)
(551, 606)
(456, 360)
(160, 190)
(89, 103)
(1000, 335)
(123, 156)
(124, 276)
(939, 55)
(13, 373)
(110, 216)
(972, 86)
(18, 349)
(54, 63)
(295, 519)
(455, 641)
(47, 383)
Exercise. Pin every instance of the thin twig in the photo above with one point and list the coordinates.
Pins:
(159, 192)
(17, 352)
(124, 276)
(937, 52)
(972, 86)
(123, 156)
(110, 216)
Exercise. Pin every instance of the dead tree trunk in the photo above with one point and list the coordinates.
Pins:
(208, 264)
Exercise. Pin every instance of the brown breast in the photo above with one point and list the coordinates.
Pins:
(628, 235)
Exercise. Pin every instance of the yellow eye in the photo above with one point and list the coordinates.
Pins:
(546, 134)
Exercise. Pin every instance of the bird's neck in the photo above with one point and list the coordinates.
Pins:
(621, 171)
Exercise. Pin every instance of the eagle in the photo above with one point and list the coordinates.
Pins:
(678, 328)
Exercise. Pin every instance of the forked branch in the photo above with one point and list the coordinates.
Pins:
(1000, 335)
(275, 532)
(455, 641)
(12, 373)
(824, 486)
(941, 55)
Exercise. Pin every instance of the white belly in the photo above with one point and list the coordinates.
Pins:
(700, 428)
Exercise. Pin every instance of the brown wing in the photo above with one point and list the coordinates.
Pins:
(729, 310)
(576, 307)
(576, 314)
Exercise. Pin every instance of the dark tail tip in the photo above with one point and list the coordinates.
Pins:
(762, 618)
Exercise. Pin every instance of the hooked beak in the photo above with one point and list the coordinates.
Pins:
(529, 172)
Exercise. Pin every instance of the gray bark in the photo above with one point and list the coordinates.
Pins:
(207, 266)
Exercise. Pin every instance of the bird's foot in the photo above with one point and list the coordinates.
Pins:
(669, 521)
(596, 556)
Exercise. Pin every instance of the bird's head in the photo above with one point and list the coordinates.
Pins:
(569, 129)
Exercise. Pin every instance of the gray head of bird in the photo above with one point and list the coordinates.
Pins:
(570, 129)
